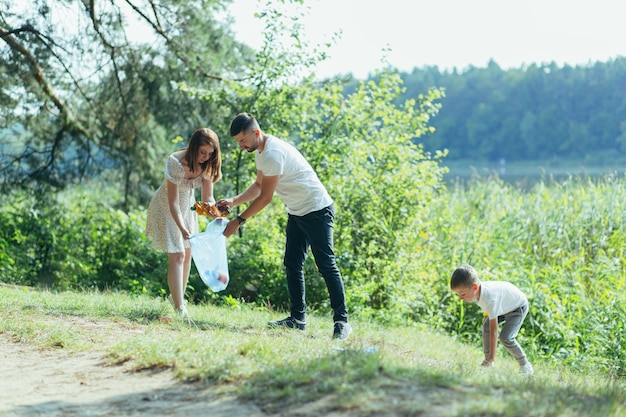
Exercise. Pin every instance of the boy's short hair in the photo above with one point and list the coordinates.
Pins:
(464, 276)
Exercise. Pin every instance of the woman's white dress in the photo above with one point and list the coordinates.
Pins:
(160, 225)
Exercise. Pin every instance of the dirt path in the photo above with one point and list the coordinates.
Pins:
(61, 384)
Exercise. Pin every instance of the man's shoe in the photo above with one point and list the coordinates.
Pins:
(289, 323)
(342, 330)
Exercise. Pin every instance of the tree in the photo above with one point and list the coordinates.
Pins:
(362, 145)
(83, 94)
(529, 113)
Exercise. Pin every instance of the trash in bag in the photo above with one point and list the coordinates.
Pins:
(208, 250)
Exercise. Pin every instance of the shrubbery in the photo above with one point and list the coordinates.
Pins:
(399, 232)
(561, 244)
(77, 239)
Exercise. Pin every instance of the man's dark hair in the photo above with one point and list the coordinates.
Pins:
(241, 123)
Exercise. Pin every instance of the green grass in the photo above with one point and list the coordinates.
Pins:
(411, 371)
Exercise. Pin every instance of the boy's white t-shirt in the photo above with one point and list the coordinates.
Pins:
(298, 186)
(499, 297)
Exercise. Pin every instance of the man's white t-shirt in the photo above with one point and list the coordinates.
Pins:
(298, 185)
(499, 297)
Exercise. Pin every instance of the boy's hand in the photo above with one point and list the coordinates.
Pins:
(487, 363)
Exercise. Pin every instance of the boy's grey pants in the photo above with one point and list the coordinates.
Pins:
(512, 323)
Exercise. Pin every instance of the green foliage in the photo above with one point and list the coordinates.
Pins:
(78, 240)
(362, 145)
(101, 96)
(399, 232)
(536, 112)
(562, 244)
(380, 180)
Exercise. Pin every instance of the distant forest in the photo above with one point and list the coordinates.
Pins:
(536, 112)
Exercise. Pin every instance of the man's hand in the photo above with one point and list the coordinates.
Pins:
(231, 227)
(224, 204)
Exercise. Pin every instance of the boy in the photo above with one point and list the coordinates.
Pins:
(501, 302)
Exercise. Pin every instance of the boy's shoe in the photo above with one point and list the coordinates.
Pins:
(289, 323)
(341, 330)
(526, 369)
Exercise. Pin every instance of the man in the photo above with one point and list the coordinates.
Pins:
(281, 169)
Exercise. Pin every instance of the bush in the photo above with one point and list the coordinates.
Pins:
(77, 239)
(568, 258)
(562, 244)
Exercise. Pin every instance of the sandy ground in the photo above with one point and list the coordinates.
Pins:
(58, 383)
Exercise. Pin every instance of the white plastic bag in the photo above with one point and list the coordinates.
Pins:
(208, 250)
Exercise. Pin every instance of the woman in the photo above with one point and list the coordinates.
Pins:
(170, 218)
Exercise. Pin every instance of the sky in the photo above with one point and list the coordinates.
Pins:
(454, 33)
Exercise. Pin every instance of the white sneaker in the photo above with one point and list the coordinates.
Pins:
(171, 300)
(182, 311)
(184, 314)
(526, 369)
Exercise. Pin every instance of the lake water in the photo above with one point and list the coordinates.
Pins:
(528, 173)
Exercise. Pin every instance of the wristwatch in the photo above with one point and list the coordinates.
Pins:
(241, 220)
